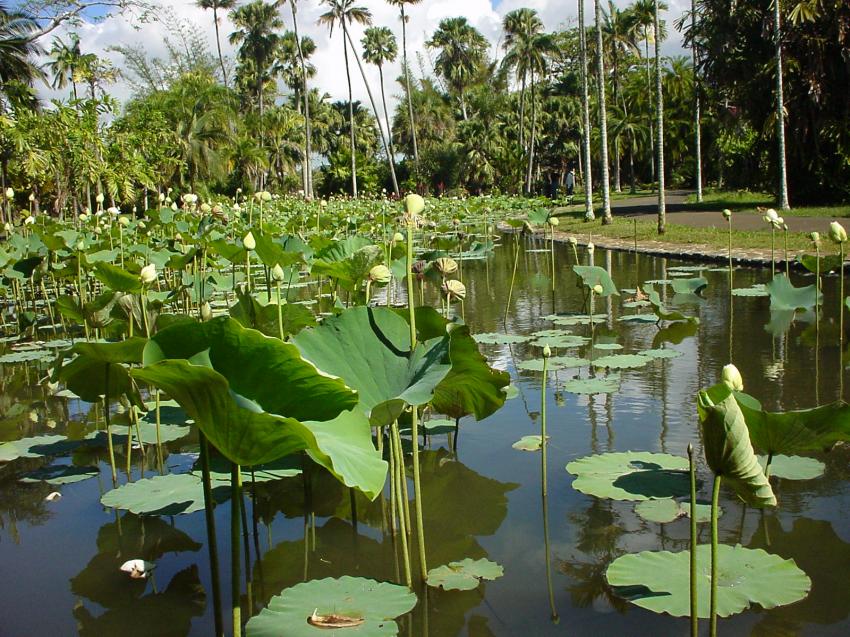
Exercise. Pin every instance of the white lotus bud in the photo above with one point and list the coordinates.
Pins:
(277, 272)
(815, 237)
(591, 248)
(553, 221)
(414, 204)
(727, 214)
(380, 274)
(83, 217)
(113, 211)
(837, 232)
(137, 569)
(206, 208)
(249, 242)
(8, 227)
(97, 229)
(174, 206)
(572, 241)
(32, 196)
(266, 196)
(10, 193)
(398, 237)
(99, 198)
(323, 203)
(161, 197)
(206, 311)
(142, 225)
(598, 289)
(547, 351)
(148, 274)
(123, 221)
(80, 246)
(771, 215)
(732, 377)
(29, 220)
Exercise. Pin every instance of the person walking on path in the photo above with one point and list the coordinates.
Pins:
(571, 182)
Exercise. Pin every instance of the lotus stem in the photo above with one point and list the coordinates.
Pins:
(235, 558)
(817, 279)
(841, 299)
(715, 499)
(397, 478)
(772, 251)
(513, 278)
(731, 269)
(108, 428)
(543, 425)
(280, 312)
(787, 262)
(694, 607)
(209, 517)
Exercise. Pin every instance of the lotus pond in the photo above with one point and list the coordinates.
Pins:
(586, 530)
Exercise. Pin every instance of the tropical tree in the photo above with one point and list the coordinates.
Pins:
(345, 13)
(780, 106)
(540, 48)
(66, 63)
(256, 25)
(520, 27)
(18, 50)
(401, 4)
(659, 121)
(585, 108)
(215, 5)
(603, 115)
(303, 54)
(463, 52)
(379, 48)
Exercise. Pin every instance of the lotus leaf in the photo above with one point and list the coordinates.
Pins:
(496, 338)
(661, 353)
(377, 603)
(638, 318)
(60, 474)
(86, 374)
(784, 296)
(593, 275)
(36, 447)
(794, 467)
(661, 311)
(608, 346)
(631, 475)
(171, 494)
(464, 575)
(756, 290)
(665, 511)
(828, 263)
(253, 314)
(622, 361)
(689, 286)
(598, 385)
(117, 279)
(529, 443)
(659, 580)
(728, 450)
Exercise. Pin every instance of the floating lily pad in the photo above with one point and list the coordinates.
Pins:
(560, 342)
(631, 305)
(686, 268)
(756, 290)
(689, 286)
(608, 346)
(659, 580)
(578, 319)
(376, 603)
(172, 494)
(36, 447)
(622, 361)
(666, 511)
(529, 443)
(27, 356)
(510, 391)
(631, 475)
(784, 296)
(638, 318)
(569, 362)
(661, 353)
(555, 363)
(794, 467)
(436, 426)
(286, 467)
(495, 338)
(60, 474)
(599, 385)
(464, 575)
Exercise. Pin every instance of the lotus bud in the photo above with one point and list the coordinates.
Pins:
(258, 195)
(547, 351)
(572, 241)
(732, 377)
(236, 208)
(454, 289)
(83, 217)
(10, 193)
(97, 229)
(142, 225)
(178, 237)
(206, 311)
(837, 232)
(161, 197)
(815, 237)
(174, 206)
(80, 246)
(446, 266)
(598, 289)
(266, 196)
(414, 204)
(29, 220)
(591, 248)
(32, 196)
(771, 215)
(123, 221)
(137, 569)
(249, 242)
(148, 274)
(553, 221)
(398, 237)
(7, 227)
(727, 214)
(380, 274)
(113, 211)
(277, 272)
(99, 198)
(323, 203)
(206, 208)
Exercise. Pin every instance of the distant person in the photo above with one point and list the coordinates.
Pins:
(571, 182)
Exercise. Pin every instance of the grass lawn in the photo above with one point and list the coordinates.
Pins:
(744, 200)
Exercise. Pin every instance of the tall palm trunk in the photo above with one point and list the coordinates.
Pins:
(603, 117)
(407, 87)
(585, 107)
(659, 122)
(390, 157)
(649, 112)
(530, 178)
(616, 78)
(218, 45)
(780, 108)
(308, 136)
(389, 125)
(697, 116)
(350, 112)
(522, 114)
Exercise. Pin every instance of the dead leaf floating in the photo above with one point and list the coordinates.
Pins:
(333, 621)
(53, 496)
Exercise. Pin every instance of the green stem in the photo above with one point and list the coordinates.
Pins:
(694, 607)
(787, 262)
(513, 279)
(397, 478)
(109, 429)
(279, 313)
(159, 456)
(772, 251)
(715, 498)
(235, 558)
(730, 255)
(543, 425)
(212, 543)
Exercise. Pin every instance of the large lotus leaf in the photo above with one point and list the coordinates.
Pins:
(554, 364)
(728, 449)
(794, 467)
(597, 385)
(495, 338)
(784, 296)
(631, 475)
(793, 432)
(660, 581)
(36, 447)
(471, 386)
(464, 575)
(86, 374)
(116, 278)
(689, 286)
(251, 313)
(171, 494)
(662, 312)
(756, 290)
(622, 361)
(666, 511)
(377, 603)
(348, 260)
(593, 275)
(273, 253)
(60, 474)
(826, 263)
(370, 349)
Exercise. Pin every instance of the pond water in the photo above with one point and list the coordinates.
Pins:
(60, 559)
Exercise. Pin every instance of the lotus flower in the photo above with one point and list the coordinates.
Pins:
(547, 351)
(732, 377)
(837, 232)
(138, 569)
(553, 221)
(206, 311)
(53, 496)
(99, 198)
(446, 266)
(10, 193)
(277, 273)
(148, 274)
(123, 221)
(727, 214)
(249, 242)
(414, 204)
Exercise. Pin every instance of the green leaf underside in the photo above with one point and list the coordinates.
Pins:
(784, 296)
(794, 467)
(529, 443)
(631, 475)
(378, 603)
(592, 275)
(659, 580)
(464, 575)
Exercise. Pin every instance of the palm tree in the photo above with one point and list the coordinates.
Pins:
(585, 107)
(303, 54)
(697, 117)
(540, 48)
(344, 12)
(380, 47)
(462, 54)
(18, 49)
(659, 121)
(603, 115)
(215, 5)
(66, 63)
(256, 24)
(401, 4)
(520, 26)
(780, 107)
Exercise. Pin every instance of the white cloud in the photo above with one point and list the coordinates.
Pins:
(423, 19)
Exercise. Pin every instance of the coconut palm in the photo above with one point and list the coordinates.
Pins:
(520, 26)
(540, 48)
(18, 49)
(344, 13)
(780, 107)
(401, 4)
(66, 61)
(603, 115)
(256, 24)
(379, 48)
(308, 123)
(659, 119)
(585, 107)
(215, 5)
(463, 52)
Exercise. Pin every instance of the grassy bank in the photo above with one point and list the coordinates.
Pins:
(746, 201)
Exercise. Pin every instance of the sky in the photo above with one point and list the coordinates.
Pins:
(485, 15)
